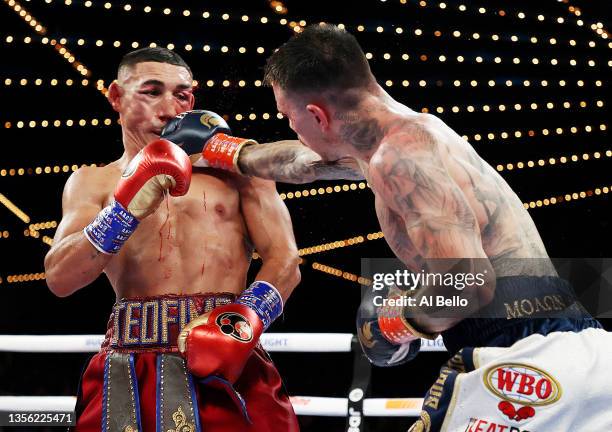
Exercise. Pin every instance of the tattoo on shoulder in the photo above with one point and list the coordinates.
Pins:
(427, 199)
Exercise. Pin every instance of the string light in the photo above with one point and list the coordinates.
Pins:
(386, 56)
(42, 225)
(567, 197)
(25, 277)
(552, 161)
(57, 45)
(598, 104)
(501, 13)
(491, 136)
(340, 273)
(44, 82)
(324, 190)
(60, 123)
(14, 209)
(324, 247)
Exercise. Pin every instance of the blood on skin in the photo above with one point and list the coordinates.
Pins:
(161, 236)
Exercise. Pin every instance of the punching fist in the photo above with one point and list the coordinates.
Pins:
(378, 348)
(206, 138)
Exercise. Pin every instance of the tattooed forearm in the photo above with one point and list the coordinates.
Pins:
(292, 162)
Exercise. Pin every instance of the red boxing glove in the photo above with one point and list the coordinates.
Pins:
(220, 342)
(158, 167)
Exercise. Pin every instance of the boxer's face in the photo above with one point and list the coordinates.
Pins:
(150, 94)
(304, 123)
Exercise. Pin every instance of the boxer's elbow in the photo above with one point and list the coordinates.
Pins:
(58, 279)
(55, 285)
(289, 266)
(292, 266)
(52, 277)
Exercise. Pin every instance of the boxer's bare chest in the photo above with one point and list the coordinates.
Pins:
(186, 241)
(212, 199)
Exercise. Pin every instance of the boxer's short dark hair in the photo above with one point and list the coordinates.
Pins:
(322, 57)
(150, 54)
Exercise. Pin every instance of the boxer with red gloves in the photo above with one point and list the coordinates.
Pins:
(175, 242)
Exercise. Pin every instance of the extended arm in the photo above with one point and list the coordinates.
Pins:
(292, 162)
(206, 137)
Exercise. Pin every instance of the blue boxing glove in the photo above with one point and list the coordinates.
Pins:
(206, 138)
(379, 350)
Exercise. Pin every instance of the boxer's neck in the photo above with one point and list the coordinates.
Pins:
(132, 144)
(378, 117)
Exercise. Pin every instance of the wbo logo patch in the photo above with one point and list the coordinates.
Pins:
(236, 326)
(521, 384)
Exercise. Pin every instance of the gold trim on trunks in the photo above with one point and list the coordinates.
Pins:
(180, 422)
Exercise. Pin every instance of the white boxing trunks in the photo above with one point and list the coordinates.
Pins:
(555, 383)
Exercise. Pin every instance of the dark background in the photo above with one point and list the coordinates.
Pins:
(322, 303)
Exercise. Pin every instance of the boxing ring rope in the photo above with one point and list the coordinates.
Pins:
(273, 342)
(303, 405)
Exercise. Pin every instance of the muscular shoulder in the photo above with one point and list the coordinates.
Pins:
(90, 183)
(417, 133)
(412, 137)
(407, 154)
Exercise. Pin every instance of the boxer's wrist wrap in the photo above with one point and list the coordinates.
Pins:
(264, 299)
(111, 228)
(395, 327)
(222, 151)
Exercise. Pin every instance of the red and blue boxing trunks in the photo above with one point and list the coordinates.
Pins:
(139, 383)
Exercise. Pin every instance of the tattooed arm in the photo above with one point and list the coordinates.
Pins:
(410, 178)
(72, 262)
(293, 162)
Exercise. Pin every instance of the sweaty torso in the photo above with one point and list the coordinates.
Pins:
(508, 234)
(191, 244)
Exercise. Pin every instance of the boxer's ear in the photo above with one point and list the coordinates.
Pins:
(114, 95)
(320, 115)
